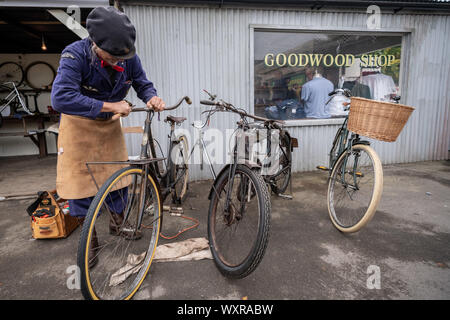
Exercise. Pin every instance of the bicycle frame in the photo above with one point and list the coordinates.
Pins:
(11, 97)
(166, 179)
(345, 144)
(202, 145)
(269, 151)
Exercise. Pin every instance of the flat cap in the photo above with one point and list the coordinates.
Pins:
(112, 31)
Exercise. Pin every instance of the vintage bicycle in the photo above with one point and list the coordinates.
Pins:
(276, 160)
(240, 207)
(355, 183)
(136, 191)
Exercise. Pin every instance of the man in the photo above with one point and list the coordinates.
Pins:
(93, 78)
(314, 94)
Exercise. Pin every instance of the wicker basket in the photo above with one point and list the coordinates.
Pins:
(377, 119)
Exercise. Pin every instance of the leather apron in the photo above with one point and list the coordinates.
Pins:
(82, 140)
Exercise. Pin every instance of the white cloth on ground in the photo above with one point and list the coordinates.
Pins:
(187, 250)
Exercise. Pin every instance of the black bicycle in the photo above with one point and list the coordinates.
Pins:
(274, 144)
(276, 162)
(239, 210)
(114, 259)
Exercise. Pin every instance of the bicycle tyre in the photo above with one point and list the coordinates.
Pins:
(89, 225)
(21, 74)
(376, 190)
(181, 187)
(248, 264)
(29, 77)
(285, 143)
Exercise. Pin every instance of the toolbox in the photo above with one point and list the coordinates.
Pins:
(50, 217)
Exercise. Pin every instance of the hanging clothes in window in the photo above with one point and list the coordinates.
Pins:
(361, 90)
(381, 86)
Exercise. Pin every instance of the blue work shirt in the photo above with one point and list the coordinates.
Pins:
(82, 85)
(315, 96)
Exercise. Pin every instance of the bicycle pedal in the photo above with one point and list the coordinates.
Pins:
(323, 168)
(176, 211)
(150, 210)
(285, 196)
(175, 214)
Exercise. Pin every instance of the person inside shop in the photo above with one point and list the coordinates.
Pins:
(93, 78)
(314, 94)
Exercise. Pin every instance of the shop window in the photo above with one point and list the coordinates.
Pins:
(294, 71)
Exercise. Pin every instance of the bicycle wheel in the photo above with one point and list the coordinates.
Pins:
(238, 236)
(123, 247)
(280, 181)
(180, 169)
(46, 74)
(162, 164)
(354, 188)
(11, 72)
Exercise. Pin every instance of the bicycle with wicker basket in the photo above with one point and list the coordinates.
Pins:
(355, 183)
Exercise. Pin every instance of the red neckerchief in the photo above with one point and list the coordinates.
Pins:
(115, 67)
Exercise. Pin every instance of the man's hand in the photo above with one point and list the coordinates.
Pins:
(121, 108)
(156, 103)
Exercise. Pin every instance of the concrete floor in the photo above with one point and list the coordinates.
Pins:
(307, 258)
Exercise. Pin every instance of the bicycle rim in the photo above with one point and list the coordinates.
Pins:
(355, 188)
(238, 236)
(181, 170)
(11, 72)
(124, 253)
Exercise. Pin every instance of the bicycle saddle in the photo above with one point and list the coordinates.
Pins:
(175, 119)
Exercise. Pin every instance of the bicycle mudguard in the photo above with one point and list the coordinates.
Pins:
(247, 163)
(364, 142)
(293, 141)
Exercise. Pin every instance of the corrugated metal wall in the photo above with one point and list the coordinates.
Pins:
(187, 49)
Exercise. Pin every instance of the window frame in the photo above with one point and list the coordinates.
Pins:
(405, 33)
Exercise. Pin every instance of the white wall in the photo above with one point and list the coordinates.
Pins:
(14, 146)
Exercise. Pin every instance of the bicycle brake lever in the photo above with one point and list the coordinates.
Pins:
(211, 97)
(129, 103)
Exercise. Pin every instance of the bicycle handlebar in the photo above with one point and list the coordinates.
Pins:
(229, 107)
(146, 109)
(209, 102)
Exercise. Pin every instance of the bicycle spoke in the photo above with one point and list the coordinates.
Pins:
(118, 242)
(236, 229)
(351, 195)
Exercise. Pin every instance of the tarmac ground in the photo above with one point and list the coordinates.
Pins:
(406, 244)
